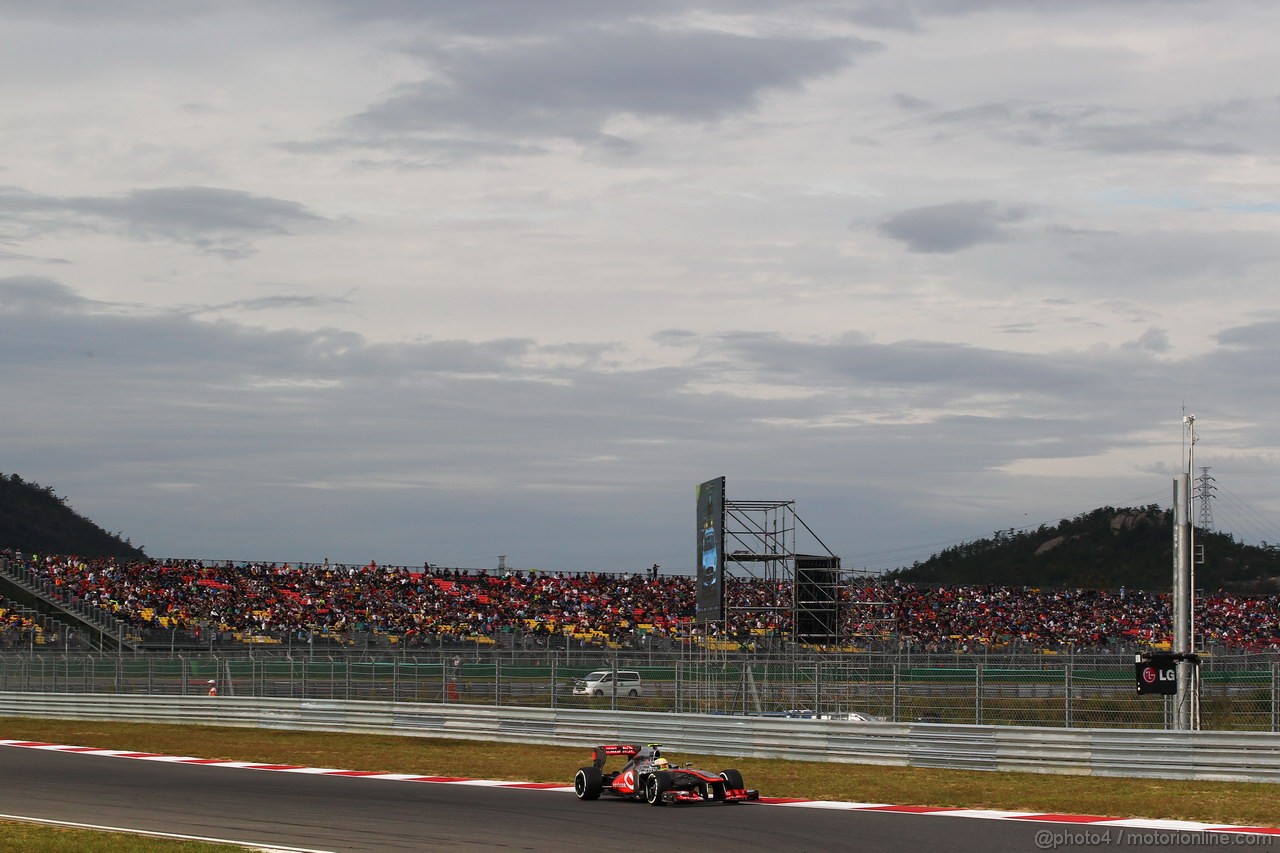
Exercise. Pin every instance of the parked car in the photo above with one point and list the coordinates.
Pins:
(600, 683)
(854, 717)
(809, 714)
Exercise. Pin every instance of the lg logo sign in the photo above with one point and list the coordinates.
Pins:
(1158, 675)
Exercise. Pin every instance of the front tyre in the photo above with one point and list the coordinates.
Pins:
(655, 786)
(732, 779)
(588, 783)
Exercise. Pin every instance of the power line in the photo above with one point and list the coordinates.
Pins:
(1245, 520)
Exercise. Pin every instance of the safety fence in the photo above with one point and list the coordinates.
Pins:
(1238, 694)
(1233, 756)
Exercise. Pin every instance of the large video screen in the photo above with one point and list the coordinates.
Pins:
(710, 575)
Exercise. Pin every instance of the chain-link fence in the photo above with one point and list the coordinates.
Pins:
(1238, 692)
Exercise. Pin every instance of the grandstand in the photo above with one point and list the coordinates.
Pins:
(191, 604)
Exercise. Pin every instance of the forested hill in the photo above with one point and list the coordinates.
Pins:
(1103, 549)
(36, 521)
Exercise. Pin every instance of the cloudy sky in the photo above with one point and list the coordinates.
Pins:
(412, 280)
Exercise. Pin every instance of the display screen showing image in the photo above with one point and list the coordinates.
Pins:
(710, 565)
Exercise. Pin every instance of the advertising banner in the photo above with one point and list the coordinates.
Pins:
(710, 551)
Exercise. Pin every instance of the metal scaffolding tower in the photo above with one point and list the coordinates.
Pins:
(761, 542)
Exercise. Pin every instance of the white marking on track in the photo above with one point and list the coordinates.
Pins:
(251, 845)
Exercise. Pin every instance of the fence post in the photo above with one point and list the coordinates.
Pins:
(554, 686)
(896, 713)
(817, 689)
(1066, 693)
(679, 697)
(1275, 697)
(977, 693)
(497, 680)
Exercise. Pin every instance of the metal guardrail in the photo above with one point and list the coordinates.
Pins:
(1214, 756)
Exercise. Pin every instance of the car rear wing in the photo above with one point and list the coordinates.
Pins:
(600, 754)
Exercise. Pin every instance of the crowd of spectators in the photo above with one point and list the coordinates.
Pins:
(16, 630)
(423, 605)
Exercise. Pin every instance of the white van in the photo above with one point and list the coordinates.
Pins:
(600, 683)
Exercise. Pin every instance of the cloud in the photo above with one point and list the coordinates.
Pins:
(274, 303)
(951, 227)
(36, 294)
(1255, 337)
(910, 102)
(599, 251)
(216, 221)
(1152, 340)
(1176, 260)
(1220, 128)
(570, 84)
(73, 10)
(477, 441)
(504, 17)
(943, 374)
(493, 17)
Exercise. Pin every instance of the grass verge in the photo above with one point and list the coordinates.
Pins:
(34, 838)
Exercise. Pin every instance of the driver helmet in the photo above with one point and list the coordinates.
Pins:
(661, 764)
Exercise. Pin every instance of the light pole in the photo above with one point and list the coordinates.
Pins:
(1186, 715)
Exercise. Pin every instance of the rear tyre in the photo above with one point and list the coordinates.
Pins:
(655, 786)
(588, 783)
(633, 693)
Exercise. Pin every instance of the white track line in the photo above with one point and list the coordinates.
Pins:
(251, 845)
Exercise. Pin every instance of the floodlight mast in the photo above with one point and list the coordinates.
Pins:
(1186, 714)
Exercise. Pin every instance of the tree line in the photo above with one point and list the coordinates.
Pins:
(1106, 548)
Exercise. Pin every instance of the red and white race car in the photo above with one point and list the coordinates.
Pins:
(650, 777)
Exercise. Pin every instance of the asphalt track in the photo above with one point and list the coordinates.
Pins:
(334, 813)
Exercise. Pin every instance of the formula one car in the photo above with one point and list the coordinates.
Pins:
(650, 777)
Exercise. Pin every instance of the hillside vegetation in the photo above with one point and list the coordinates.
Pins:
(34, 520)
(1103, 549)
